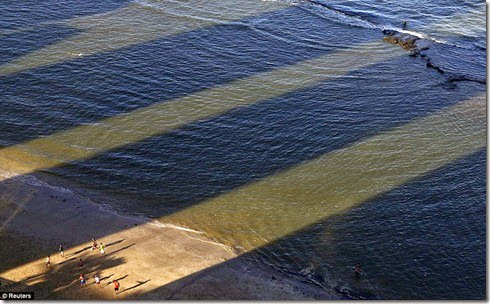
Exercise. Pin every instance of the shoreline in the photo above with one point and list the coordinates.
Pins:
(151, 260)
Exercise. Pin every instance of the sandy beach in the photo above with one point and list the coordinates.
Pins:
(148, 260)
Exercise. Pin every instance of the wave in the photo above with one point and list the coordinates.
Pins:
(353, 19)
(441, 57)
(358, 21)
(179, 9)
(33, 181)
(101, 205)
(337, 15)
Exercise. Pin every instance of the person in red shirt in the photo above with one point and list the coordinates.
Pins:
(116, 287)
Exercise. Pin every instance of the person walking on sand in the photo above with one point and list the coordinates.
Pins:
(97, 280)
(357, 271)
(80, 264)
(82, 280)
(61, 250)
(102, 248)
(116, 287)
(48, 262)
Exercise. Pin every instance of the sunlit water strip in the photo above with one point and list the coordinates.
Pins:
(265, 211)
(90, 140)
(136, 23)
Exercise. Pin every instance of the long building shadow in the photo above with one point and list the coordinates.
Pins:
(20, 43)
(92, 88)
(205, 159)
(423, 240)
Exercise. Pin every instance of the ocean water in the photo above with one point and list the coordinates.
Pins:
(290, 131)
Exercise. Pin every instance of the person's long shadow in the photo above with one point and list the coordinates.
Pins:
(114, 243)
(118, 279)
(106, 277)
(68, 260)
(136, 285)
(121, 249)
(79, 251)
(121, 278)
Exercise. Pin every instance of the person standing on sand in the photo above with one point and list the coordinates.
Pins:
(102, 248)
(61, 250)
(48, 262)
(97, 280)
(94, 244)
(116, 287)
(80, 264)
(82, 280)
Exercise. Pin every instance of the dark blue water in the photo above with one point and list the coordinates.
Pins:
(423, 239)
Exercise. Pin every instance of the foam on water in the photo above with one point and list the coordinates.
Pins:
(100, 204)
(33, 181)
(333, 14)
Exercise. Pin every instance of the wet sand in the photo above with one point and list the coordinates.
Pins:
(149, 261)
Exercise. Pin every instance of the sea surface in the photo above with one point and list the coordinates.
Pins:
(291, 131)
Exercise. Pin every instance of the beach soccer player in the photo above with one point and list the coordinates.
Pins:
(116, 287)
(97, 280)
(48, 262)
(82, 280)
(102, 248)
(80, 264)
(61, 250)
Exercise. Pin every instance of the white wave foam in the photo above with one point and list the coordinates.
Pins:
(341, 17)
(33, 181)
(149, 4)
(227, 248)
(413, 33)
(101, 206)
(157, 223)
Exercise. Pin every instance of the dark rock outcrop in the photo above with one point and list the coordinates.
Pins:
(406, 41)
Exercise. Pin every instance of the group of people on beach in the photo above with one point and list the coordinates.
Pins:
(97, 282)
(357, 268)
(94, 246)
(81, 277)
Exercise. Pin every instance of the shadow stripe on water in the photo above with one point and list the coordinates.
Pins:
(86, 90)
